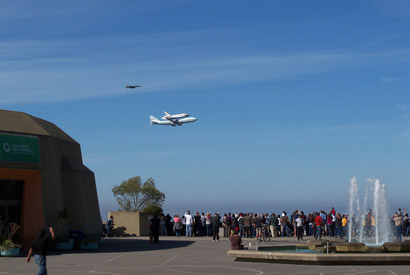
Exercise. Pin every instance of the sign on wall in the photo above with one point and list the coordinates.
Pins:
(19, 148)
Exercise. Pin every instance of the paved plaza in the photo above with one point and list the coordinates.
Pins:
(121, 256)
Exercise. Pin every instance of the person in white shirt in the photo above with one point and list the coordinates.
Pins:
(188, 223)
(299, 227)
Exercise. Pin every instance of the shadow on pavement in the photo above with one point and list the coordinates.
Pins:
(108, 245)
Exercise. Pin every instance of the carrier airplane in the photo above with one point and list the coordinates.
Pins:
(173, 120)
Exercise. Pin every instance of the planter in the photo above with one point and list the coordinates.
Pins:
(10, 252)
(89, 246)
(65, 246)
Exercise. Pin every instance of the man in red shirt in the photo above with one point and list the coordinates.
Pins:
(318, 223)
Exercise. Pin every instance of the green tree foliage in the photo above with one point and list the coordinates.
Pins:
(132, 195)
(152, 209)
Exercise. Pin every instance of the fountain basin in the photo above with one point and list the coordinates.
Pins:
(315, 245)
(351, 247)
(321, 258)
(340, 253)
(397, 247)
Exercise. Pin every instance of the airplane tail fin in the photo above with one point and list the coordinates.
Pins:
(166, 114)
(153, 120)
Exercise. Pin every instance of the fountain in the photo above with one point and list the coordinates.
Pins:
(373, 227)
(369, 238)
(369, 227)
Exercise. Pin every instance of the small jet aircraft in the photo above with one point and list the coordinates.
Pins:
(173, 120)
(132, 86)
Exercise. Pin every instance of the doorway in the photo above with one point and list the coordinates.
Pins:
(11, 194)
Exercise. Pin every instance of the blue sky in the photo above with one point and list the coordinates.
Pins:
(293, 98)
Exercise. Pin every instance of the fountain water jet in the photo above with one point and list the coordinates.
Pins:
(358, 217)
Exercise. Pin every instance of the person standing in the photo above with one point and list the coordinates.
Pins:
(188, 223)
(299, 227)
(293, 218)
(323, 216)
(216, 223)
(252, 225)
(310, 225)
(273, 222)
(228, 223)
(235, 223)
(39, 248)
(338, 226)
(258, 227)
(163, 224)
(284, 220)
(154, 228)
(241, 225)
(406, 225)
(177, 225)
(183, 226)
(208, 223)
(247, 223)
(318, 223)
(398, 223)
(197, 228)
(344, 225)
(168, 224)
(203, 224)
(329, 223)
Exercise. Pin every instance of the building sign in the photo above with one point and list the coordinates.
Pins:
(19, 148)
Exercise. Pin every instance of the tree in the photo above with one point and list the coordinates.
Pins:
(131, 195)
(152, 209)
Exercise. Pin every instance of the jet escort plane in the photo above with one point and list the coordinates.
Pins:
(132, 86)
(173, 120)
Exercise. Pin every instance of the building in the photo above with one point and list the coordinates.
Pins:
(42, 176)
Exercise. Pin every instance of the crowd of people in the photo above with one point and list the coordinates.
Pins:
(297, 224)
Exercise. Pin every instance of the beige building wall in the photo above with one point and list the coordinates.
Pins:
(130, 223)
(60, 181)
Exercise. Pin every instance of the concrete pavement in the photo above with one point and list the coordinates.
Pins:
(173, 255)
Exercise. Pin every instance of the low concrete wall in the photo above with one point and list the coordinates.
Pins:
(130, 223)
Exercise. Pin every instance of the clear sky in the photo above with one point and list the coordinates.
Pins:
(293, 98)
